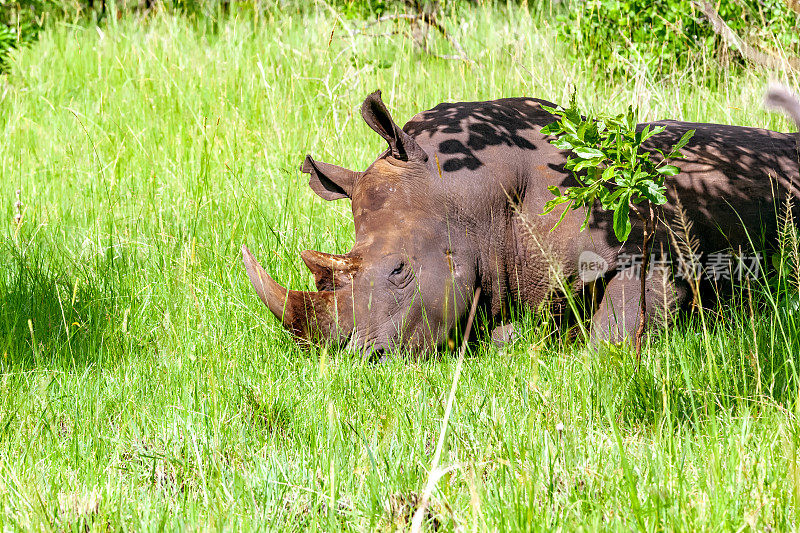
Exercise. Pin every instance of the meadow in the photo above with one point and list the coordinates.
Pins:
(143, 386)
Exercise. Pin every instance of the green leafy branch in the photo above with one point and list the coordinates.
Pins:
(619, 174)
(612, 168)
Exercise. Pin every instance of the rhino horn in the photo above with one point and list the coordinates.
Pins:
(307, 315)
(330, 271)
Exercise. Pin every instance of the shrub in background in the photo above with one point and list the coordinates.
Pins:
(613, 36)
(618, 34)
(20, 22)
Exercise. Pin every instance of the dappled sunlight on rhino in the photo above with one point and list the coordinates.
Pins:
(454, 205)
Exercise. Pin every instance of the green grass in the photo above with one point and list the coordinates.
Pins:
(143, 386)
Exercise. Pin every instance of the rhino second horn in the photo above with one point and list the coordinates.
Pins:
(330, 270)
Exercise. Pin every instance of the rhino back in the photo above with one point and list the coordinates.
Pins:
(733, 182)
(477, 136)
(487, 153)
(732, 177)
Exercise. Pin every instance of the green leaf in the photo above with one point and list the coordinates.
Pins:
(668, 170)
(630, 120)
(655, 131)
(569, 127)
(581, 134)
(609, 173)
(554, 128)
(623, 178)
(592, 136)
(562, 144)
(611, 200)
(552, 204)
(587, 152)
(622, 222)
(653, 192)
(563, 214)
(682, 142)
(555, 190)
(573, 115)
(586, 219)
(586, 163)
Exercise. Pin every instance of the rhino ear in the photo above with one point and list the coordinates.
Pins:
(329, 181)
(401, 145)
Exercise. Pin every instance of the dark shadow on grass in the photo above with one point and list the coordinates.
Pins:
(57, 312)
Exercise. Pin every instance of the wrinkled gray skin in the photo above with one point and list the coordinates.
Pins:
(455, 202)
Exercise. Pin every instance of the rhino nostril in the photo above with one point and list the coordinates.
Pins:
(376, 353)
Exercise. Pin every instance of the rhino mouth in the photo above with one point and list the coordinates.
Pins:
(371, 351)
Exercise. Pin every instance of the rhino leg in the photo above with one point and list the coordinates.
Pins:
(617, 317)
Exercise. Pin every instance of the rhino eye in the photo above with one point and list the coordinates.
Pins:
(398, 269)
(400, 276)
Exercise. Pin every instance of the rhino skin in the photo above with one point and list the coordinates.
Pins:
(454, 204)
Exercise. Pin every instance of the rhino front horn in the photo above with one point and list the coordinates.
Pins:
(307, 315)
(271, 293)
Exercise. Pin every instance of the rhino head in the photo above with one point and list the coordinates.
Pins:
(406, 282)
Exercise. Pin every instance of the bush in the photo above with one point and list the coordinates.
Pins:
(667, 33)
(20, 22)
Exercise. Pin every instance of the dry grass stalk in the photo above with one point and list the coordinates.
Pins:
(686, 246)
(788, 241)
(794, 5)
(422, 19)
(734, 41)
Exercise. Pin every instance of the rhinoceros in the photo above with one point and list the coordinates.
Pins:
(455, 203)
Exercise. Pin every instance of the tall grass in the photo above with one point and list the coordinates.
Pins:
(143, 386)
